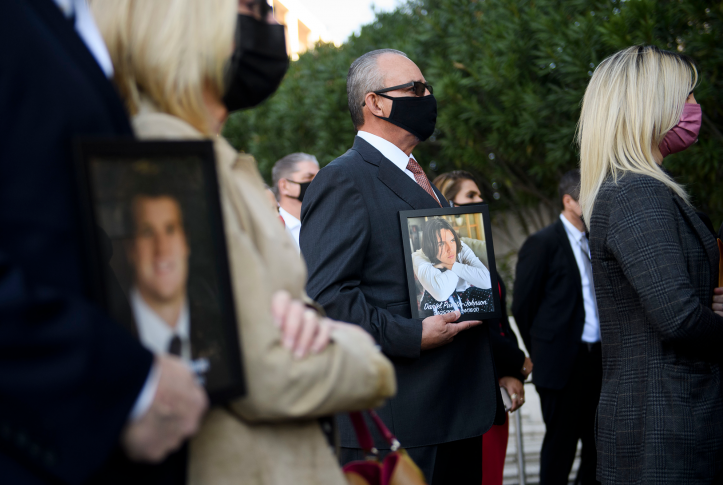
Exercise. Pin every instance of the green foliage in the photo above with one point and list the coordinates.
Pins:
(509, 76)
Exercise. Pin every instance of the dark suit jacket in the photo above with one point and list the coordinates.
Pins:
(352, 243)
(68, 374)
(548, 306)
(655, 264)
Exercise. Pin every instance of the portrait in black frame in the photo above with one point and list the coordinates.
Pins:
(449, 257)
(157, 252)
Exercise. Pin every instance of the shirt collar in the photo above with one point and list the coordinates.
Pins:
(388, 149)
(573, 231)
(290, 221)
(154, 332)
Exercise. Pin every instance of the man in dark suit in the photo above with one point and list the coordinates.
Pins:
(555, 309)
(73, 383)
(351, 239)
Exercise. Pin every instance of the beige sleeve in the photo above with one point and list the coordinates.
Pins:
(350, 374)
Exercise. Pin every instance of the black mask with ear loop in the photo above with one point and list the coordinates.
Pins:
(258, 64)
(302, 189)
(415, 114)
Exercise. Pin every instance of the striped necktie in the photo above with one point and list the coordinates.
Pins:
(421, 178)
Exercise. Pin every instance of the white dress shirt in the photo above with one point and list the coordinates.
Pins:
(293, 226)
(441, 284)
(591, 330)
(88, 31)
(154, 332)
(392, 152)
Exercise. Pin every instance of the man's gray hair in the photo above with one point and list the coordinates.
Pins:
(363, 78)
(284, 167)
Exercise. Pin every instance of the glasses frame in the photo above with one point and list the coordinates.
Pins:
(418, 85)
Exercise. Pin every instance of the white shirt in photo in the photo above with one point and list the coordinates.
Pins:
(154, 333)
(467, 271)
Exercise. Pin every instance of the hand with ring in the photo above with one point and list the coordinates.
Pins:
(515, 389)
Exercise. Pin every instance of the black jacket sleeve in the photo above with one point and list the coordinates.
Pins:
(335, 230)
(529, 286)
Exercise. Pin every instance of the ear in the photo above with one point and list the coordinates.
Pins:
(283, 187)
(373, 103)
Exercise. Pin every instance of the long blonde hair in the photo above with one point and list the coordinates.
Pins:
(169, 50)
(634, 98)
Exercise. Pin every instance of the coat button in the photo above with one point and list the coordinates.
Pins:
(49, 459)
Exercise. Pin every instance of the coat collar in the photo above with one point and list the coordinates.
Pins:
(397, 181)
(704, 235)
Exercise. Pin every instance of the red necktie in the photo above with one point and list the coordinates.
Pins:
(421, 178)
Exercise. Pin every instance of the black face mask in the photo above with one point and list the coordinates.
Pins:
(302, 189)
(417, 115)
(258, 64)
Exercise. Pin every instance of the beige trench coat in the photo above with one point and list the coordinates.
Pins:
(270, 437)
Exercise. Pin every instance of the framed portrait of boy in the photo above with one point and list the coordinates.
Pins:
(450, 262)
(157, 255)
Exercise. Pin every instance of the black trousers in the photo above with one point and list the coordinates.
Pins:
(569, 415)
(454, 463)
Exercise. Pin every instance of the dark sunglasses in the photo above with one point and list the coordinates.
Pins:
(419, 88)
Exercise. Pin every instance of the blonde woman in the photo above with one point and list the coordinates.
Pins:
(170, 57)
(660, 416)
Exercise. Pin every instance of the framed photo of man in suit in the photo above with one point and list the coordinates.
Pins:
(450, 262)
(157, 252)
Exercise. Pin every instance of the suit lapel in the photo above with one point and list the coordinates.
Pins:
(567, 249)
(76, 49)
(704, 236)
(396, 180)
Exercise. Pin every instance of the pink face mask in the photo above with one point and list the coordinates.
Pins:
(685, 133)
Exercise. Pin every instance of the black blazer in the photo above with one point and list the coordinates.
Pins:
(656, 264)
(547, 304)
(352, 243)
(68, 374)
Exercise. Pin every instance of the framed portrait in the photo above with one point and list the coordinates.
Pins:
(157, 255)
(450, 262)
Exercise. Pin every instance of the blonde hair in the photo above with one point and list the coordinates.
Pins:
(634, 98)
(169, 50)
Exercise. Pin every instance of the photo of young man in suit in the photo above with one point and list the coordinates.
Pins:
(168, 313)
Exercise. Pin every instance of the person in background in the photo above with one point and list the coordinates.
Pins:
(556, 312)
(513, 366)
(291, 177)
(273, 203)
(459, 187)
(75, 388)
(656, 271)
(271, 436)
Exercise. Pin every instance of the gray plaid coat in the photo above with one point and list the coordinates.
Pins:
(660, 416)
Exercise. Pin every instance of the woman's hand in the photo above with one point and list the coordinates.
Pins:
(718, 301)
(302, 329)
(445, 266)
(526, 367)
(515, 389)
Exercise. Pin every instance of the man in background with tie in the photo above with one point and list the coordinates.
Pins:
(352, 242)
(555, 309)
